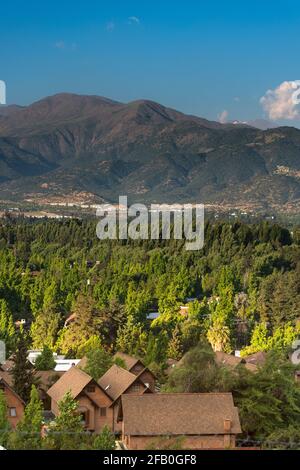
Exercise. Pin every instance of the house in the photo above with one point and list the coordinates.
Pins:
(202, 420)
(45, 379)
(136, 367)
(62, 365)
(94, 403)
(184, 311)
(15, 404)
(231, 361)
(258, 359)
(118, 381)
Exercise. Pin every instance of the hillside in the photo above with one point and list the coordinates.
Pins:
(67, 144)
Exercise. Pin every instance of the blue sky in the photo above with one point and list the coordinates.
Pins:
(200, 57)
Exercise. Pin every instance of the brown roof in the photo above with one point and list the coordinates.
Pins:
(46, 378)
(179, 414)
(82, 363)
(74, 381)
(7, 365)
(258, 358)
(227, 359)
(224, 359)
(116, 381)
(129, 361)
(6, 379)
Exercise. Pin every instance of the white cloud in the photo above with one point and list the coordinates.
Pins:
(282, 103)
(60, 44)
(110, 26)
(223, 116)
(134, 20)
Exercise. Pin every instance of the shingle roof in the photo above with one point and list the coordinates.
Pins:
(6, 378)
(227, 359)
(7, 365)
(129, 361)
(82, 363)
(258, 358)
(74, 380)
(116, 381)
(179, 414)
(46, 378)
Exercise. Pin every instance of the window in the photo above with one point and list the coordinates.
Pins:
(136, 388)
(91, 388)
(13, 412)
(102, 411)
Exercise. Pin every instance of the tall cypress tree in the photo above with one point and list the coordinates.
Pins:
(28, 432)
(22, 371)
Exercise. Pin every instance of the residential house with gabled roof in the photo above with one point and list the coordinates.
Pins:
(136, 367)
(231, 361)
(15, 404)
(201, 420)
(118, 381)
(94, 403)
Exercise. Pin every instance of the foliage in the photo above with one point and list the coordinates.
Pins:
(22, 370)
(45, 361)
(105, 440)
(27, 435)
(4, 423)
(98, 362)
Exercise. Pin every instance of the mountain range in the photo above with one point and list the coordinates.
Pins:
(89, 148)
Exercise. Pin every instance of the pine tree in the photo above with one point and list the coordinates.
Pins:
(175, 345)
(85, 324)
(22, 371)
(98, 362)
(28, 432)
(4, 423)
(45, 361)
(132, 338)
(68, 430)
(45, 328)
(105, 440)
(7, 327)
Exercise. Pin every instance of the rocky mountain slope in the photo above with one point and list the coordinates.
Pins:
(67, 144)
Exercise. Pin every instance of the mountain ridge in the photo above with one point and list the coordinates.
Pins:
(67, 144)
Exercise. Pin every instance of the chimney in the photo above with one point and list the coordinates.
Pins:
(227, 425)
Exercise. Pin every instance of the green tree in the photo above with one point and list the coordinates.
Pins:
(67, 433)
(175, 349)
(105, 440)
(45, 361)
(132, 338)
(94, 342)
(197, 372)
(219, 336)
(98, 362)
(4, 423)
(28, 431)
(22, 371)
(85, 324)
(259, 340)
(44, 328)
(268, 400)
(7, 327)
